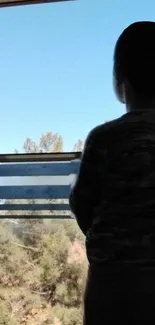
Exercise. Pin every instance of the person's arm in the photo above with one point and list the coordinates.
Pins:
(84, 194)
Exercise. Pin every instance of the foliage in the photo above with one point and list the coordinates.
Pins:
(31, 281)
(68, 316)
(78, 146)
(5, 317)
(49, 142)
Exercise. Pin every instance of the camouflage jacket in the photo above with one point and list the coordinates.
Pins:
(113, 198)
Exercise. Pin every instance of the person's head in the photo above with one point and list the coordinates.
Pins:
(134, 65)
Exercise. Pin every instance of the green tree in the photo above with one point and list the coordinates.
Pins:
(78, 146)
(62, 280)
(49, 142)
(5, 317)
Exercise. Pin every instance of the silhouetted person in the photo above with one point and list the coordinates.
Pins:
(114, 195)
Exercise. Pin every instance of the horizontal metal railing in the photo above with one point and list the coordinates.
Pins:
(38, 157)
(36, 178)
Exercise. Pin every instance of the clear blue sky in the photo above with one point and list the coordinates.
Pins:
(56, 67)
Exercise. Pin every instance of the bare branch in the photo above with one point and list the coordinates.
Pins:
(26, 247)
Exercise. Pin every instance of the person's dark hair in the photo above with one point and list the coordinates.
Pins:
(134, 58)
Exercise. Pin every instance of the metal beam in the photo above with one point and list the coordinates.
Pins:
(29, 192)
(35, 207)
(10, 3)
(39, 169)
(31, 216)
(38, 157)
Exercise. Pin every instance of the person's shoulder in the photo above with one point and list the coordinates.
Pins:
(104, 128)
